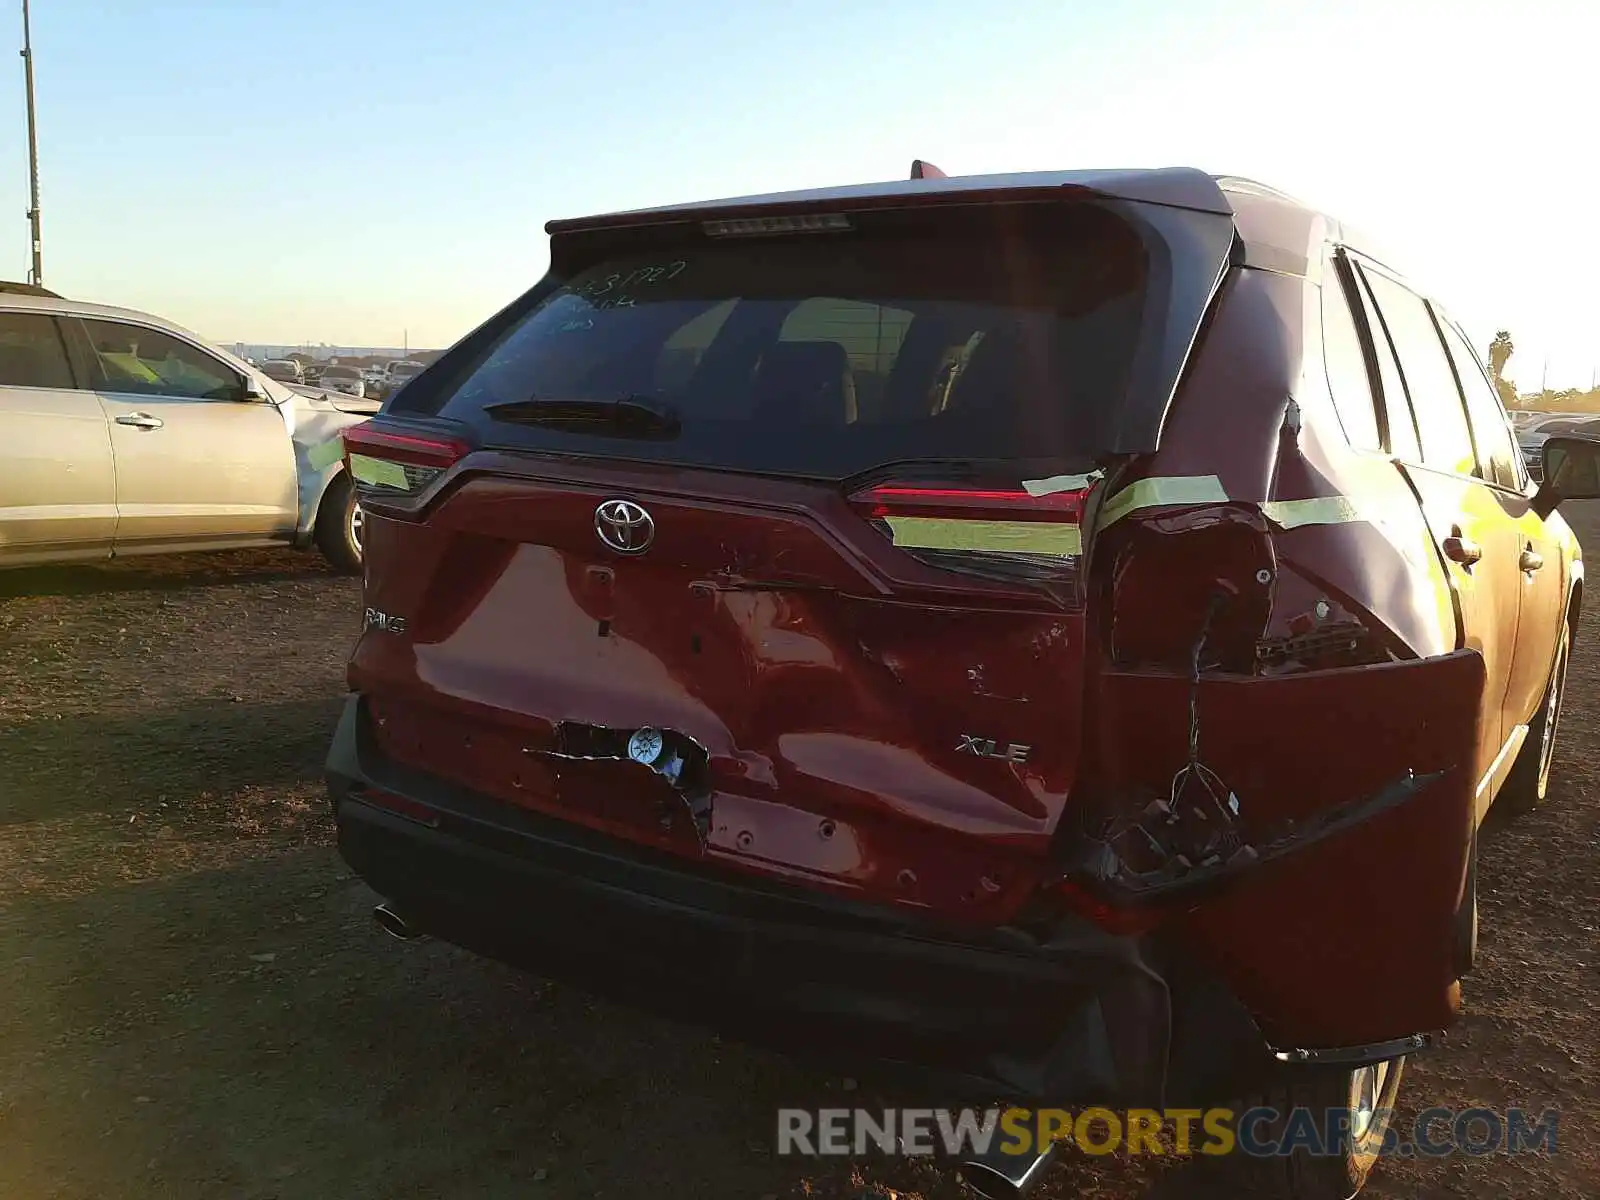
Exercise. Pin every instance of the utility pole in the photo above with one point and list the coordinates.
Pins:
(37, 278)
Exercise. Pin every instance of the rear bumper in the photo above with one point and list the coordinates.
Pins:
(1073, 1015)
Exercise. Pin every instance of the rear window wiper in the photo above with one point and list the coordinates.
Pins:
(624, 416)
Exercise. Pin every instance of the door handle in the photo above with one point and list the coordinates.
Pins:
(139, 420)
(1531, 560)
(1462, 550)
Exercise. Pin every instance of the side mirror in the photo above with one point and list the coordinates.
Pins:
(251, 391)
(1571, 472)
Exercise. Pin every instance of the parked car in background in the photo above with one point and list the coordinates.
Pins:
(347, 380)
(1061, 631)
(284, 370)
(312, 371)
(122, 434)
(401, 372)
(1533, 435)
(374, 377)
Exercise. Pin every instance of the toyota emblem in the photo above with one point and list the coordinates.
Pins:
(624, 526)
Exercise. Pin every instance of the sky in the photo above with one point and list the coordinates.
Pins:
(367, 172)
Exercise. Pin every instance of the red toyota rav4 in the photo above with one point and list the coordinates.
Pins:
(1056, 632)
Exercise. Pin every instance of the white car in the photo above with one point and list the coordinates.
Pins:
(122, 434)
(374, 377)
(346, 380)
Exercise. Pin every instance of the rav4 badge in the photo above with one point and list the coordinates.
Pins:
(383, 622)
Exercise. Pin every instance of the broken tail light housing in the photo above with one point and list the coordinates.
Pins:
(1010, 532)
(400, 466)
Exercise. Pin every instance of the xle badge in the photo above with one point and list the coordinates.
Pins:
(989, 748)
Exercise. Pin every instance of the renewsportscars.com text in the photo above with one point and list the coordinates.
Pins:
(1260, 1132)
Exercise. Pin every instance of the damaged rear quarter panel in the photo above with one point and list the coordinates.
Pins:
(1261, 350)
(1352, 939)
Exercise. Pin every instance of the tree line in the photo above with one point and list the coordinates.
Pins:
(1546, 399)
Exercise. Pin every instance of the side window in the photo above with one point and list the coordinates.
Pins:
(1491, 428)
(1346, 366)
(32, 353)
(1430, 380)
(1396, 408)
(147, 362)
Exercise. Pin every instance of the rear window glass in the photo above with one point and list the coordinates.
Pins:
(998, 333)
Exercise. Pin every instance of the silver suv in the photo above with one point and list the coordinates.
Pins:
(122, 433)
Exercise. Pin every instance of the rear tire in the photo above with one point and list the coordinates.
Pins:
(339, 526)
(1367, 1094)
(1528, 783)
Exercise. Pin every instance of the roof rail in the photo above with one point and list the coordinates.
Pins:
(926, 170)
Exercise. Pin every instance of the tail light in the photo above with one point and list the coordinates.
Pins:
(1011, 532)
(400, 466)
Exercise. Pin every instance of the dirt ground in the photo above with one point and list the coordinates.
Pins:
(197, 1003)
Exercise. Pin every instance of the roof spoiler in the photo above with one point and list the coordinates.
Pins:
(1176, 187)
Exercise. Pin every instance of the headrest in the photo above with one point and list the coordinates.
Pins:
(805, 382)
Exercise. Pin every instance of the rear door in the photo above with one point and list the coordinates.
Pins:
(197, 465)
(57, 485)
(1474, 520)
(1542, 607)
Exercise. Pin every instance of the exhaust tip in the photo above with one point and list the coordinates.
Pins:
(988, 1183)
(1005, 1176)
(393, 924)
